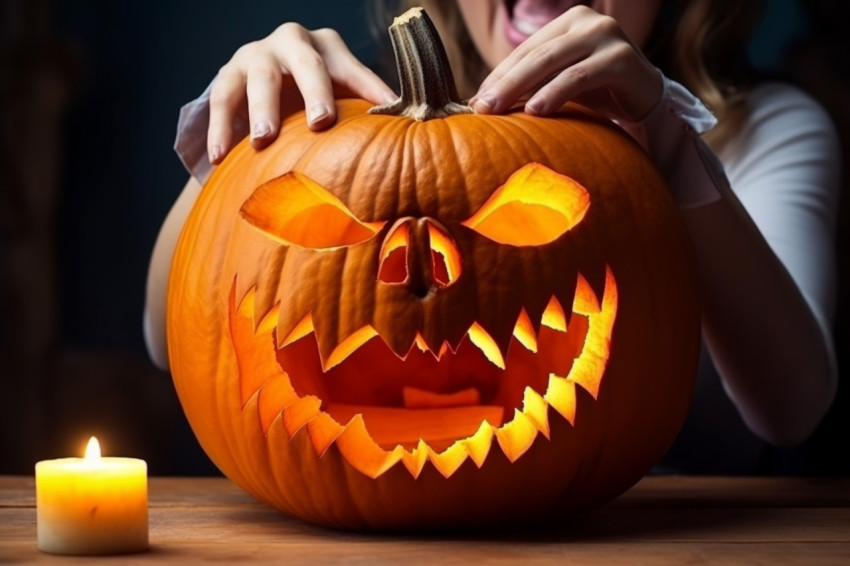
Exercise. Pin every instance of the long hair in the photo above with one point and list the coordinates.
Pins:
(700, 43)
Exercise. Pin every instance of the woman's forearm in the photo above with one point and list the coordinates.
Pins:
(158, 271)
(776, 363)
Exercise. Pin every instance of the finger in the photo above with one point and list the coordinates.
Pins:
(347, 72)
(226, 96)
(570, 84)
(263, 89)
(300, 59)
(616, 81)
(558, 29)
(534, 69)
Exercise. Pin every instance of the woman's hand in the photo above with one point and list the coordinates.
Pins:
(582, 56)
(266, 75)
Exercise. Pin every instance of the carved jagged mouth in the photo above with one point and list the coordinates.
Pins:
(440, 407)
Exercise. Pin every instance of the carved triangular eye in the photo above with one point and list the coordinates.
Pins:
(295, 210)
(535, 206)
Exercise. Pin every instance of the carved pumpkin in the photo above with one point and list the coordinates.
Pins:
(463, 321)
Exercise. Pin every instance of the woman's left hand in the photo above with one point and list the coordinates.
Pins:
(582, 56)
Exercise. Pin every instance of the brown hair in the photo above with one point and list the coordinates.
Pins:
(700, 43)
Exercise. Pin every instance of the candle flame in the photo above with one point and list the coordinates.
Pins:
(93, 450)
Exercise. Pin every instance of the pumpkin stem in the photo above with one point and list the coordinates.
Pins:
(427, 86)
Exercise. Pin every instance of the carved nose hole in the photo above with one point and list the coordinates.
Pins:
(419, 253)
(445, 257)
(392, 267)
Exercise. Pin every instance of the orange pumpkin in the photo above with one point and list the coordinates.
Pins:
(457, 322)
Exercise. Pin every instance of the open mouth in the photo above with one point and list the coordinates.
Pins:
(441, 406)
(525, 17)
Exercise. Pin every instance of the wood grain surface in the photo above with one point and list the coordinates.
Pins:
(662, 520)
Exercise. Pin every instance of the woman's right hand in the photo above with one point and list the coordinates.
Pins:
(266, 75)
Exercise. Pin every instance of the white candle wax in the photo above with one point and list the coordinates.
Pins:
(92, 505)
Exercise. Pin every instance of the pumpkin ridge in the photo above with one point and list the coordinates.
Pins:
(365, 175)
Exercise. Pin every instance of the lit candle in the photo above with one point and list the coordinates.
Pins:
(92, 505)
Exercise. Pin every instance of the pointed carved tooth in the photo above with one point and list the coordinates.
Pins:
(516, 436)
(302, 329)
(275, 396)
(300, 412)
(323, 431)
(421, 344)
(561, 395)
(443, 349)
(416, 459)
(362, 452)
(255, 356)
(585, 301)
(448, 461)
(553, 316)
(269, 320)
(484, 342)
(246, 305)
(589, 367)
(524, 332)
(478, 445)
(536, 409)
(349, 346)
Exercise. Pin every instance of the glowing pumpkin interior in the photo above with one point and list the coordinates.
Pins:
(444, 402)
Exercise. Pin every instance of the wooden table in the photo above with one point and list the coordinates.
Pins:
(663, 520)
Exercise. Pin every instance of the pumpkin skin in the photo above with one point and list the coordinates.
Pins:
(234, 291)
(431, 319)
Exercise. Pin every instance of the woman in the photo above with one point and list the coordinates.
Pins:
(762, 231)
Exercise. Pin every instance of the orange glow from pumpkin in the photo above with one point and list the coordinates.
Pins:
(484, 342)
(524, 331)
(349, 345)
(290, 207)
(415, 398)
(302, 329)
(441, 428)
(554, 317)
(535, 206)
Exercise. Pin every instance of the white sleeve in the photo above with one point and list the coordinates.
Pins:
(191, 140)
(670, 134)
(785, 168)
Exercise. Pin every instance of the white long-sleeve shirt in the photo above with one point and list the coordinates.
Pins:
(784, 166)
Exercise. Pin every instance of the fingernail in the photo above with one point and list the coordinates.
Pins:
(215, 153)
(534, 106)
(318, 112)
(484, 102)
(390, 97)
(260, 129)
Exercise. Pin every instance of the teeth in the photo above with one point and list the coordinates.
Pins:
(485, 343)
(524, 332)
(554, 316)
(279, 406)
(526, 27)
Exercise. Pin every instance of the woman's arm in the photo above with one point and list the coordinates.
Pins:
(766, 255)
(765, 249)
(158, 270)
